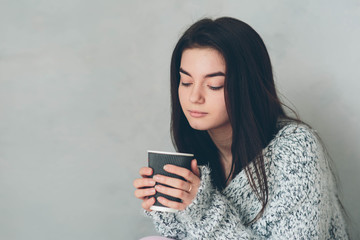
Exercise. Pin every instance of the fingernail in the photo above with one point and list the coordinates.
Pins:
(157, 178)
(152, 182)
(158, 187)
(166, 167)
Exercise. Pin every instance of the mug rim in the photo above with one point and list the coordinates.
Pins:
(171, 153)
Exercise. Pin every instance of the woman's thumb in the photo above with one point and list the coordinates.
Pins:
(195, 168)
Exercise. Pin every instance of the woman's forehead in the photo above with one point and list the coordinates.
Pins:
(202, 59)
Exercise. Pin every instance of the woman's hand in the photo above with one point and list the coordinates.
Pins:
(145, 188)
(185, 190)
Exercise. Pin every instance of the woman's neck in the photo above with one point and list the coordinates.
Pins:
(222, 139)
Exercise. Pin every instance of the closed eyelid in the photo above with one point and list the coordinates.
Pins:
(215, 87)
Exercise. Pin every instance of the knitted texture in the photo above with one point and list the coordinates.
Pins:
(302, 198)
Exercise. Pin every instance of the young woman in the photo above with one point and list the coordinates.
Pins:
(261, 174)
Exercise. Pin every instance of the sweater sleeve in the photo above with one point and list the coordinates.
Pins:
(211, 215)
(167, 224)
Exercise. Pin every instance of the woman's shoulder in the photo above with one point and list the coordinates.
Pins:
(295, 138)
(297, 132)
(291, 127)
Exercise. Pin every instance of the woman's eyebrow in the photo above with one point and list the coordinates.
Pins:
(184, 72)
(215, 74)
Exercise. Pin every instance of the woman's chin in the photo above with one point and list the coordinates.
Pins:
(199, 127)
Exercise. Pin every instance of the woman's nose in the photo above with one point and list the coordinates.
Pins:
(196, 95)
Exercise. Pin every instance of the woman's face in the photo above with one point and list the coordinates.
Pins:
(201, 89)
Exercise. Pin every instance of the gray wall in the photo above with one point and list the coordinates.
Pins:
(84, 93)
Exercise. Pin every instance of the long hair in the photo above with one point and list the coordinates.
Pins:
(251, 100)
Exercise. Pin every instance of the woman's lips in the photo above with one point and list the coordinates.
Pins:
(197, 114)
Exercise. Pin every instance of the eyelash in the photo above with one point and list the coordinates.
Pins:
(216, 88)
(211, 87)
(185, 84)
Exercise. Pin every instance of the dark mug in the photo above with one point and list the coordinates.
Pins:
(157, 161)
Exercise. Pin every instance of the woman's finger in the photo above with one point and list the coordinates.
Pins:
(146, 171)
(183, 172)
(171, 204)
(172, 182)
(173, 192)
(143, 182)
(146, 204)
(142, 193)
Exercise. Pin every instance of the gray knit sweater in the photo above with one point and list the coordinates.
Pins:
(302, 198)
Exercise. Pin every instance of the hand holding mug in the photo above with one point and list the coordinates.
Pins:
(170, 182)
(185, 190)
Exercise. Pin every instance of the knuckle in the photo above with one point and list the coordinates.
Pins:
(181, 194)
(137, 182)
(150, 191)
(187, 174)
(182, 185)
(137, 194)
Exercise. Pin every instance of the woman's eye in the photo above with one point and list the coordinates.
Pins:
(185, 84)
(215, 88)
